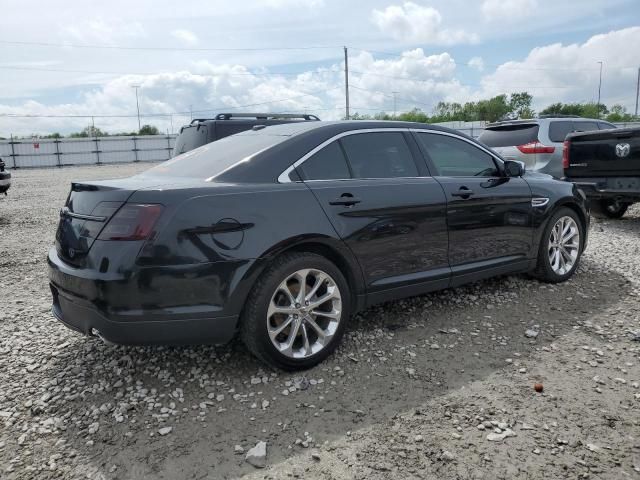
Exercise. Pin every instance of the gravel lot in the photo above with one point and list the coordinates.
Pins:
(434, 386)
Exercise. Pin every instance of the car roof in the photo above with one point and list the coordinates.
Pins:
(291, 129)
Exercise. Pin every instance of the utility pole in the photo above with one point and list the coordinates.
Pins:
(346, 83)
(137, 105)
(599, 88)
(394, 104)
(637, 94)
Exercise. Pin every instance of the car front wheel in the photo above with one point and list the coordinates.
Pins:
(296, 313)
(560, 247)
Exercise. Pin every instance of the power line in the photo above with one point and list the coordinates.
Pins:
(178, 49)
(96, 72)
(183, 113)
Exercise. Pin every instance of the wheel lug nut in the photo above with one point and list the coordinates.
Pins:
(306, 303)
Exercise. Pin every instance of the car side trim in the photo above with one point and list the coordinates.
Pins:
(284, 176)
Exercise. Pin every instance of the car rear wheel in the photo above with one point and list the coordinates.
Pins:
(560, 247)
(296, 313)
(610, 209)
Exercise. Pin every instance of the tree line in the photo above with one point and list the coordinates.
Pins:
(502, 107)
(91, 131)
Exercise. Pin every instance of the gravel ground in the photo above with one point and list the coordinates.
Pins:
(439, 385)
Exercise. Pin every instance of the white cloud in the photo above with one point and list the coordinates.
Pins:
(569, 73)
(185, 36)
(508, 9)
(420, 80)
(476, 63)
(415, 23)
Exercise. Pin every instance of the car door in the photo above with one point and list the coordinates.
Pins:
(489, 215)
(384, 205)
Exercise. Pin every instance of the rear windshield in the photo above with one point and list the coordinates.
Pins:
(190, 137)
(214, 158)
(509, 135)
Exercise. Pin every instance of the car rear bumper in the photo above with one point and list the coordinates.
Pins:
(81, 302)
(601, 189)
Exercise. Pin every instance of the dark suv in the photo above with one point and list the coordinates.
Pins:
(206, 130)
(5, 179)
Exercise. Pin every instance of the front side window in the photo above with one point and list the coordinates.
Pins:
(326, 164)
(379, 155)
(453, 157)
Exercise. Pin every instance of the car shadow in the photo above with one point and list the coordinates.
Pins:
(394, 357)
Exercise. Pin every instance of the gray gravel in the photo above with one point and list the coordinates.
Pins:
(439, 385)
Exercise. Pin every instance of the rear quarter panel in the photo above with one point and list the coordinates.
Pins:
(246, 225)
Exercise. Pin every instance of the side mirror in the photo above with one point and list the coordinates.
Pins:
(514, 168)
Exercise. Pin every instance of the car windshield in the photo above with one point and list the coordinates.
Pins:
(509, 135)
(214, 158)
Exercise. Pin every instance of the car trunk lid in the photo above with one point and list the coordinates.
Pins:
(607, 153)
(87, 210)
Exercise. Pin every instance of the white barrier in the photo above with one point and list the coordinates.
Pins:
(37, 152)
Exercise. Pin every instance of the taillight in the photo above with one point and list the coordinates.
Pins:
(565, 154)
(535, 147)
(132, 222)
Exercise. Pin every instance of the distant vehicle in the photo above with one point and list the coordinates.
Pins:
(5, 178)
(206, 130)
(537, 142)
(282, 233)
(606, 166)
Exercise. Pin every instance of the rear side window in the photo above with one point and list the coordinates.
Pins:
(327, 164)
(510, 135)
(226, 128)
(379, 155)
(584, 126)
(606, 126)
(453, 157)
(190, 138)
(559, 130)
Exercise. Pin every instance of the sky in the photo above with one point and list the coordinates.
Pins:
(63, 62)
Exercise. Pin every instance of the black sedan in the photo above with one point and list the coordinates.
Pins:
(282, 233)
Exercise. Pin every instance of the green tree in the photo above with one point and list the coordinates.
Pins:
(520, 104)
(53, 135)
(618, 113)
(89, 131)
(149, 130)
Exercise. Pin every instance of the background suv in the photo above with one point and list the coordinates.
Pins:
(206, 130)
(537, 142)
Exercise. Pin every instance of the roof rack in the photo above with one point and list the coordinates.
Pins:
(266, 116)
(558, 115)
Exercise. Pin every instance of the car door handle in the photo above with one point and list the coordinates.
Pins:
(345, 199)
(464, 192)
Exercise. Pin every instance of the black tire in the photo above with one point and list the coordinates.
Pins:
(610, 209)
(543, 270)
(253, 321)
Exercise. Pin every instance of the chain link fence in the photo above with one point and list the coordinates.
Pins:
(37, 152)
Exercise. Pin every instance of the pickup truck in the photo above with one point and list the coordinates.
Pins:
(5, 179)
(605, 165)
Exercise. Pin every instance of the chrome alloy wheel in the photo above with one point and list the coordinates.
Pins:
(304, 313)
(564, 245)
